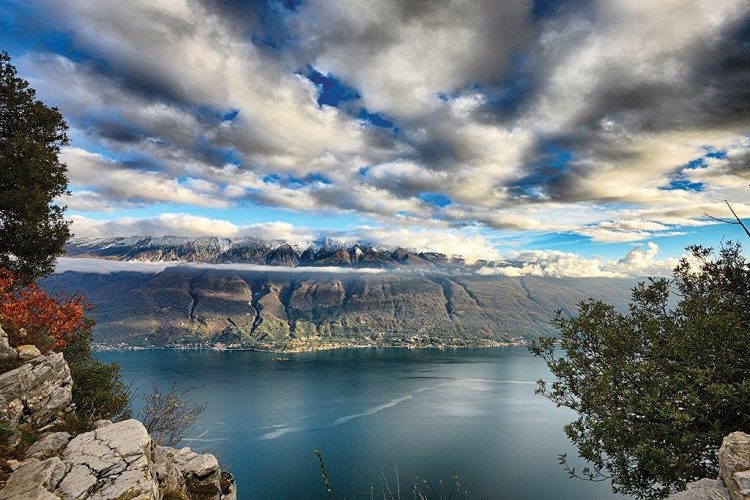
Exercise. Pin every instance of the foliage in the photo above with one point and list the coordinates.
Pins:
(33, 231)
(656, 389)
(167, 416)
(31, 316)
(98, 389)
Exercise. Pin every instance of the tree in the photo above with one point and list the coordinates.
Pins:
(657, 388)
(33, 230)
(33, 233)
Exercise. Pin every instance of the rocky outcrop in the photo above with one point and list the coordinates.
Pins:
(734, 473)
(116, 461)
(186, 474)
(734, 465)
(36, 393)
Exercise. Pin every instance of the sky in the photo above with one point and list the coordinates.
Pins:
(583, 136)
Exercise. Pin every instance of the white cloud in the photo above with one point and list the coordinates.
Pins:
(126, 185)
(103, 266)
(638, 262)
(574, 123)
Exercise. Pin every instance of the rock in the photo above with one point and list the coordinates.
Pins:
(34, 479)
(110, 462)
(28, 352)
(102, 423)
(705, 489)
(185, 474)
(201, 472)
(7, 353)
(114, 461)
(228, 486)
(49, 446)
(734, 465)
(171, 481)
(36, 392)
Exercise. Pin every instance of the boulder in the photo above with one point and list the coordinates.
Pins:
(113, 461)
(734, 465)
(28, 352)
(201, 472)
(110, 462)
(36, 392)
(49, 446)
(34, 479)
(705, 489)
(171, 481)
(7, 353)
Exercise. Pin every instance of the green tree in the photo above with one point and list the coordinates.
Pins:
(656, 389)
(33, 230)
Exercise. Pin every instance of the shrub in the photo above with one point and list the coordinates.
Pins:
(98, 389)
(31, 316)
(167, 416)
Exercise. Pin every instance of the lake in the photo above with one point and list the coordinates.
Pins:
(432, 414)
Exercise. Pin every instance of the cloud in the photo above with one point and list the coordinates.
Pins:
(105, 179)
(618, 121)
(638, 262)
(103, 266)
(164, 224)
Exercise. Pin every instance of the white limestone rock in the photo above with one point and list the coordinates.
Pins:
(34, 479)
(705, 489)
(201, 472)
(110, 462)
(734, 465)
(36, 392)
(171, 481)
(49, 445)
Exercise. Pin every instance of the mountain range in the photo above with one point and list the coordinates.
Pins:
(410, 299)
(326, 252)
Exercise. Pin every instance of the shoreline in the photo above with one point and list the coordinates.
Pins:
(99, 347)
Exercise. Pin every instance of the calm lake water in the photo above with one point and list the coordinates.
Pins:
(471, 413)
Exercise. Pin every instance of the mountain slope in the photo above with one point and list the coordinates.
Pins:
(300, 309)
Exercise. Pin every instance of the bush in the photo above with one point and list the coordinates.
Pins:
(30, 315)
(656, 389)
(167, 416)
(98, 389)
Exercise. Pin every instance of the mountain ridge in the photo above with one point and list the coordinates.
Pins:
(215, 250)
(186, 306)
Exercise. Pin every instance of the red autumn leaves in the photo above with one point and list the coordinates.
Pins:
(31, 316)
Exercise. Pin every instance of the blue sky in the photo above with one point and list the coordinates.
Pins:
(592, 133)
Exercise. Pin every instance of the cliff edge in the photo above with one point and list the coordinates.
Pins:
(114, 461)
